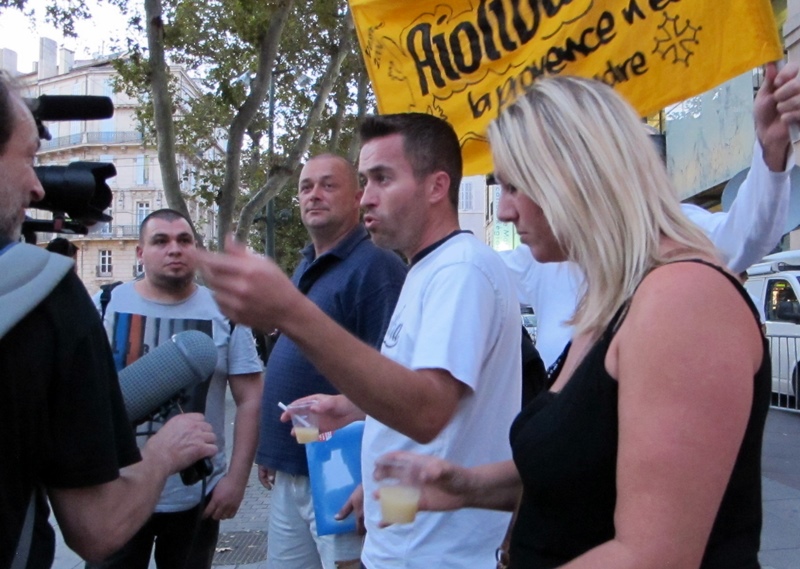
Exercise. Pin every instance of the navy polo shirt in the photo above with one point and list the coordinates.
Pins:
(357, 284)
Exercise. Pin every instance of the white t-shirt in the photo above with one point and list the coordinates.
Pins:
(743, 235)
(456, 312)
(136, 325)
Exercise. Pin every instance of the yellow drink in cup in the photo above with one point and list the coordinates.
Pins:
(399, 503)
(306, 434)
(304, 421)
(400, 489)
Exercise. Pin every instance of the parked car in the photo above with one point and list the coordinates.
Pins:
(775, 289)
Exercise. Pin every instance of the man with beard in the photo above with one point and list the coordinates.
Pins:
(139, 316)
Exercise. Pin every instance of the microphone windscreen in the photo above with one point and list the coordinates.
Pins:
(154, 379)
(72, 107)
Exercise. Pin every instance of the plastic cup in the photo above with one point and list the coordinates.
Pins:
(399, 490)
(305, 422)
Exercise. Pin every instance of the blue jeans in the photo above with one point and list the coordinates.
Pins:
(182, 541)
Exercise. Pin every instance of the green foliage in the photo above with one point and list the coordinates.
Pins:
(62, 13)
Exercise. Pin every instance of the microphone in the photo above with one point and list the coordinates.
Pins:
(70, 107)
(155, 379)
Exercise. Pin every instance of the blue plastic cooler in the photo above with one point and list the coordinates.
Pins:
(334, 470)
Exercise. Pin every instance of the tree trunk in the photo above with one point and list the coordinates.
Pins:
(267, 52)
(363, 86)
(162, 110)
(341, 104)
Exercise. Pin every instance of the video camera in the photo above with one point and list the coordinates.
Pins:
(77, 194)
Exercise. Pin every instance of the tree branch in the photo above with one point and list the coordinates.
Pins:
(267, 52)
(162, 110)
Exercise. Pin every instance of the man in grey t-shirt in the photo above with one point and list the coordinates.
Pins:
(141, 314)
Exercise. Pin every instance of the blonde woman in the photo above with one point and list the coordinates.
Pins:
(645, 452)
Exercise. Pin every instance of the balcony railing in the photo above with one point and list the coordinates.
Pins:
(111, 231)
(110, 137)
(115, 137)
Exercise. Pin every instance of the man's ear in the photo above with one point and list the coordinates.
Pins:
(439, 189)
(138, 252)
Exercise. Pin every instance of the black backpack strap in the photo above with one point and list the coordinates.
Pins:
(105, 297)
(534, 375)
(26, 535)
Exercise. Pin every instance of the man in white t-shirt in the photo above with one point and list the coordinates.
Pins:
(748, 231)
(447, 381)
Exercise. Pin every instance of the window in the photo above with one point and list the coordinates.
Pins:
(108, 126)
(105, 229)
(108, 158)
(75, 127)
(142, 211)
(781, 302)
(75, 132)
(492, 190)
(107, 130)
(465, 196)
(142, 170)
(104, 267)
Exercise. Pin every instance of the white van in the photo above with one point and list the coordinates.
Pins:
(774, 285)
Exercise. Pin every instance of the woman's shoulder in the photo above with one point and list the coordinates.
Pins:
(699, 285)
(691, 310)
(693, 296)
(688, 276)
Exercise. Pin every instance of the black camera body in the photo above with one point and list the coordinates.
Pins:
(76, 194)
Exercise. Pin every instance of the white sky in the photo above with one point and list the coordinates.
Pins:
(19, 33)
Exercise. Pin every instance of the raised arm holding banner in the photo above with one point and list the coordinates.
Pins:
(466, 60)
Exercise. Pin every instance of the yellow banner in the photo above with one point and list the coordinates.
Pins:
(465, 60)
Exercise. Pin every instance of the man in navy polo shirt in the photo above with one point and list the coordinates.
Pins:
(357, 285)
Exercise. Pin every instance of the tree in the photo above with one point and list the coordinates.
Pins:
(280, 171)
(163, 107)
(242, 50)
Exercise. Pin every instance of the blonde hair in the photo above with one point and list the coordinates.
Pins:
(579, 151)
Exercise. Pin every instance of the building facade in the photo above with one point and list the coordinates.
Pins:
(108, 252)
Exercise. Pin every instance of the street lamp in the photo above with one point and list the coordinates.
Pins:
(269, 230)
(269, 213)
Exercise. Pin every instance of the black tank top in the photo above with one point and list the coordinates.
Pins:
(565, 449)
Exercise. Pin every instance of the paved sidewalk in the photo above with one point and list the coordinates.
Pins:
(780, 538)
(780, 468)
(243, 540)
(245, 535)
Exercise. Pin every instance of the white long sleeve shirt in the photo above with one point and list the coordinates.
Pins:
(743, 235)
